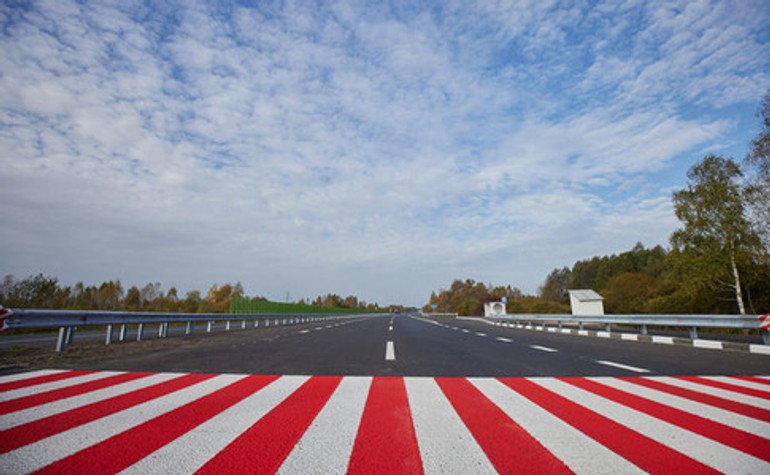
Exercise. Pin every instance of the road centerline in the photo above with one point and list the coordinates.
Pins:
(543, 348)
(623, 366)
(390, 352)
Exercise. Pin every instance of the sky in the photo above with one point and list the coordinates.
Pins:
(376, 149)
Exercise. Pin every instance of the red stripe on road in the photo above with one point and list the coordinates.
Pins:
(745, 442)
(639, 449)
(726, 386)
(48, 378)
(509, 447)
(33, 431)
(733, 406)
(386, 441)
(69, 391)
(753, 379)
(266, 444)
(122, 450)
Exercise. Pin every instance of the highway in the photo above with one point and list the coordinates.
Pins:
(430, 347)
(392, 394)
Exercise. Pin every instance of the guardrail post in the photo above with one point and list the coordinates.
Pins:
(61, 341)
(208, 326)
(243, 324)
(607, 328)
(256, 323)
(140, 332)
(693, 333)
(122, 336)
(643, 330)
(188, 329)
(160, 330)
(765, 336)
(108, 339)
(580, 326)
(165, 329)
(227, 325)
(70, 335)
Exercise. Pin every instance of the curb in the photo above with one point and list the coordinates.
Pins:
(752, 348)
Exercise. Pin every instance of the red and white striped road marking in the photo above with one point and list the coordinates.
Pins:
(66, 421)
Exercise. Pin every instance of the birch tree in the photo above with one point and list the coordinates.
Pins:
(716, 237)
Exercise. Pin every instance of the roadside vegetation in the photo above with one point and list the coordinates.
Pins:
(44, 292)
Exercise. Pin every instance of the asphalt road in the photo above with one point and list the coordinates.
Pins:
(406, 345)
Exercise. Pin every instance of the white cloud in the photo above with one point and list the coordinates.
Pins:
(354, 149)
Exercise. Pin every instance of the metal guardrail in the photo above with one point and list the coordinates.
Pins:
(691, 322)
(68, 320)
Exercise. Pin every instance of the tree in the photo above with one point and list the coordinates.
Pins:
(554, 288)
(757, 163)
(716, 237)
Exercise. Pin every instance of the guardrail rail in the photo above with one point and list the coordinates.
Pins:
(691, 322)
(69, 320)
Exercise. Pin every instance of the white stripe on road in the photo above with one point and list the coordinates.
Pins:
(740, 382)
(731, 395)
(36, 455)
(729, 418)
(623, 366)
(332, 433)
(446, 445)
(480, 334)
(506, 340)
(62, 383)
(61, 405)
(390, 352)
(543, 348)
(578, 451)
(32, 374)
(707, 451)
(191, 451)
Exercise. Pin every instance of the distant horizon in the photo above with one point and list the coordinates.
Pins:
(374, 150)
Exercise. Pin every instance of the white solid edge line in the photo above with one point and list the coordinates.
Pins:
(623, 366)
(445, 443)
(190, 451)
(723, 416)
(62, 383)
(579, 452)
(506, 340)
(327, 444)
(38, 454)
(62, 405)
(390, 351)
(543, 348)
(700, 448)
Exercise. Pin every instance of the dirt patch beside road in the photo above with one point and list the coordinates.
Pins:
(80, 354)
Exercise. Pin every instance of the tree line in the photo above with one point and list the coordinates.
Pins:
(718, 260)
(45, 292)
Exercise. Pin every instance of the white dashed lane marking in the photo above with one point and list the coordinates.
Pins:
(543, 348)
(623, 366)
(390, 352)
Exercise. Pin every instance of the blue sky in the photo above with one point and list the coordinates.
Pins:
(380, 150)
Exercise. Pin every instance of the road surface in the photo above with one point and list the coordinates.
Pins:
(397, 394)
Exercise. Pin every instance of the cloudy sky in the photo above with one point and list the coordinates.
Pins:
(366, 148)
